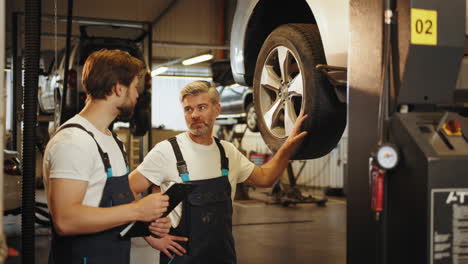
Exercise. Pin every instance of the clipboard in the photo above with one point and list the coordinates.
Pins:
(177, 193)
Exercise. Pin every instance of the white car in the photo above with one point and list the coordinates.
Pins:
(93, 38)
(275, 48)
(12, 182)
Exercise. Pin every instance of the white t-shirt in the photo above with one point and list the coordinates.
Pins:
(203, 162)
(72, 154)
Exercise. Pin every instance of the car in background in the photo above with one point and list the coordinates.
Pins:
(237, 106)
(236, 100)
(12, 182)
(93, 38)
(281, 50)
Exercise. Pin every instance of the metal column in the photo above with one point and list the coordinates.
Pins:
(150, 64)
(364, 77)
(3, 246)
(16, 65)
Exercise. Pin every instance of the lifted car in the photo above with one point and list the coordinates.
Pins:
(282, 49)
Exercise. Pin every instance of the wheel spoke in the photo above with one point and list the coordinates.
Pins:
(296, 86)
(270, 80)
(271, 116)
(283, 60)
(289, 117)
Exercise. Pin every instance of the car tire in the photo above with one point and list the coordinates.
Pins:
(281, 93)
(251, 118)
(140, 123)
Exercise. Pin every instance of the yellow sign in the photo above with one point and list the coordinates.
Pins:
(423, 27)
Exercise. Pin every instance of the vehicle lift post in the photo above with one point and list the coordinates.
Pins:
(291, 194)
(423, 203)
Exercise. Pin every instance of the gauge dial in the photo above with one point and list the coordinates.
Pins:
(387, 156)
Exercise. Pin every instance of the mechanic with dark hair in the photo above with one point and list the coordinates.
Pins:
(214, 167)
(86, 171)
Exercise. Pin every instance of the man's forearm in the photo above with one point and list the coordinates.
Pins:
(82, 219)
(267, 174)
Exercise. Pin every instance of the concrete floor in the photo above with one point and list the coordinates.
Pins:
(263, 232)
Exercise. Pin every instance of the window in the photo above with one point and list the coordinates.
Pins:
(9, 99)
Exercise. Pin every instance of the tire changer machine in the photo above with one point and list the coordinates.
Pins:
(412, 204)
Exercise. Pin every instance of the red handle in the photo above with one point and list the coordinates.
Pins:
(377, 188)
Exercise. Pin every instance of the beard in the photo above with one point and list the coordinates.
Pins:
(199, 131)
(126, 112)
(207, 126)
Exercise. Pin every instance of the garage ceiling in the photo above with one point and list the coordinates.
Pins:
(181, 28)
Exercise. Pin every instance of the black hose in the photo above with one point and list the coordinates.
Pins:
(31, 61)
(389, 33)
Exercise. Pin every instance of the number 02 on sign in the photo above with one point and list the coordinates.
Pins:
(423, 27)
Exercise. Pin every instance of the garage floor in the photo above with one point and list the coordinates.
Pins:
(264, 233)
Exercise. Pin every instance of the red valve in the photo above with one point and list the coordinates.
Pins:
(452, 128)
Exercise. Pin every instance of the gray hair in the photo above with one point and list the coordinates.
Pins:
(199, 87)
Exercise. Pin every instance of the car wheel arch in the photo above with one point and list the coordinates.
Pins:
(259, 27)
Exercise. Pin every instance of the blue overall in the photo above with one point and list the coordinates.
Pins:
(105, 246)
(206, 217)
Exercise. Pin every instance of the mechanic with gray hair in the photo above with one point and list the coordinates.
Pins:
(215, 167)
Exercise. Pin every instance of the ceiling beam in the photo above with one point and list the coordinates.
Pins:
(164, 12)
(183, 45)
(96, 21)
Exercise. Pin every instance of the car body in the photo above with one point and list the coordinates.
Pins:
(237, 106)
(234, 99)
(12, 182)
(255, 19)
(92, 38)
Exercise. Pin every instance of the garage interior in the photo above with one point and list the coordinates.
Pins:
(400, 90)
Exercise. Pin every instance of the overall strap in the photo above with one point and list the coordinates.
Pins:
(224, 159)
(104, 156)
(181, 164)
(122, 149)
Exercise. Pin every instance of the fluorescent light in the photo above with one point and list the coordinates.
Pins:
(197, 59)
(159, 71)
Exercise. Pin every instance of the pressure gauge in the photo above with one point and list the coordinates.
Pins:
(387, 156)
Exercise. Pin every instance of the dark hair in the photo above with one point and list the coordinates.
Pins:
(105, 68)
